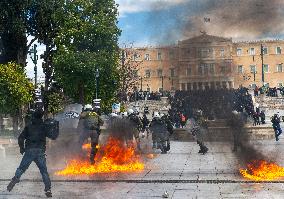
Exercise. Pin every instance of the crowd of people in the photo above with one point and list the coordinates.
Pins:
(215, 104)
(145, 95)
(272, 92)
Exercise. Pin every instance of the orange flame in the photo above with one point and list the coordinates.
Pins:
(151, 155)
(87, 146)
(261, 170)
(112, 157)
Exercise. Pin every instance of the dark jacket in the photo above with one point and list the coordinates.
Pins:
(167, 121)
(135, 120)
(159, 127)
(33, 136)
(145, 121)
(275, 120)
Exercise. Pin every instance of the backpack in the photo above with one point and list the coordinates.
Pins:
(52, 128)
(91, 121)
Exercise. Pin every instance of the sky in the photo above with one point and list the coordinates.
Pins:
(164, 22)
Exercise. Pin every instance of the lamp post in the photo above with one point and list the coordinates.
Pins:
(97, 74)
(141, 82)
(141, 78)
(34, 58)
(162, 78)
(262, 65)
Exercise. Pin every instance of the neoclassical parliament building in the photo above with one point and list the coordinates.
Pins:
(208, 61)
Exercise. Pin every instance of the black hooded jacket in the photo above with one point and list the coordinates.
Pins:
(33, 136)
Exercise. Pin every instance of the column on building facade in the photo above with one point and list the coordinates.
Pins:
(203, 85)
(189, 86)
(206, 85)
(228, 85)
(194, 84)
(212, 85)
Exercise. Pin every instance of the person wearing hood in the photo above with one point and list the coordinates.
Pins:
(32, 143)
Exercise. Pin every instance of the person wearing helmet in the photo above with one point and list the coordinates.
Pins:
(160, 134)
(113, 115)
(170, 128)
(32, 143)
(145, 123)
(198, 129)
(90, 122)
(137, 124)
(236, 122)
(124, 114)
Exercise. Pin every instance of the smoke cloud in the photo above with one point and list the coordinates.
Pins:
(239, 19)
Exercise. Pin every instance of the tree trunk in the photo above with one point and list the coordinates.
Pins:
(81, 94)
(1, 123)
(15, 122)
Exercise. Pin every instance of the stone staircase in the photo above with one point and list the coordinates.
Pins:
(161, 106)
(219, 131)
(270, 105)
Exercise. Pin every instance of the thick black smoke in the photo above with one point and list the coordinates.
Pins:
(121, 128)
(220, 105)
(242, 145)
(239, 19)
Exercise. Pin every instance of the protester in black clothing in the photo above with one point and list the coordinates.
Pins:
(32, 143)
(145, 124)
(276, 126)
(160, 134)
(262, 117)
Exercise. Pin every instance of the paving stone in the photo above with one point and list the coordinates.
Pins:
(177, 171)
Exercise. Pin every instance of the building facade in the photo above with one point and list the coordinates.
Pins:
(208, 61)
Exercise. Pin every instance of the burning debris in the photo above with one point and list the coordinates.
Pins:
(261, 170)
(112, 157)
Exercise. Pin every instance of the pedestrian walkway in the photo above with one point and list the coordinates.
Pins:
(183, 173)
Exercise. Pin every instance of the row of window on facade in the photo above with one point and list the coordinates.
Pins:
(205, 85)
(159, 73)
(266, 68)
(252, 51)
(209, 69)
(136, 56)
(202, 52)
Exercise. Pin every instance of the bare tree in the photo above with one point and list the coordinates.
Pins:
(131, 62)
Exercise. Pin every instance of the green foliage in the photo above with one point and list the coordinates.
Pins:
(13, 30)
(55, 102)
(80, 37)
(15, 89)
(88, 41)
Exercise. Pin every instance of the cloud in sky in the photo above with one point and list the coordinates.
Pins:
(133, 6)
(164, 22)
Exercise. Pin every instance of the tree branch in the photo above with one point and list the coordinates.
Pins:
(31, 42)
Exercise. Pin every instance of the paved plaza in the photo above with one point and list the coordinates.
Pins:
(183, 173)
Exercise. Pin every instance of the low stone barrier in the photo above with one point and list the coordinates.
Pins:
(224, 133)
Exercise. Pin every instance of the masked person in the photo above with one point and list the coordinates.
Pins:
(237, 121)
(160, 134)
(170, 128)
(198, 128)
(145, 123)
(32, 143)
(136, 125)
(90, 123)
(276, 126)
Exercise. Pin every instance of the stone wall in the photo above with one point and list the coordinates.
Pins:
(219, 131)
